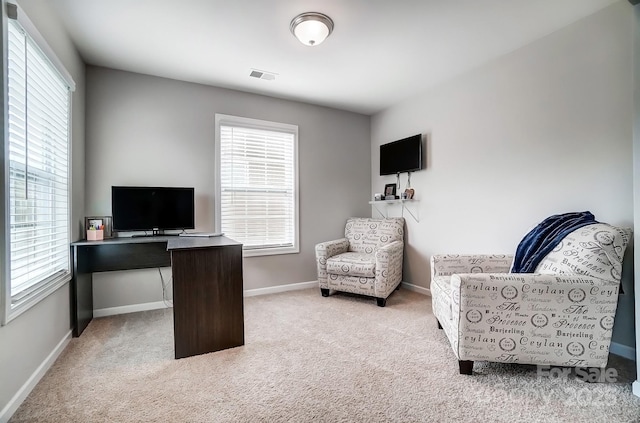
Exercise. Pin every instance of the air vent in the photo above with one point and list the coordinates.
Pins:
(269, 76)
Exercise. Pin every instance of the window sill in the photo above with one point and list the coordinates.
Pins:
(32, 300)
(270, 251)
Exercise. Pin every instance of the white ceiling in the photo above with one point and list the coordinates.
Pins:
(380, 52)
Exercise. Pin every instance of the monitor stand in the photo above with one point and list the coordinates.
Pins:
(154, 232)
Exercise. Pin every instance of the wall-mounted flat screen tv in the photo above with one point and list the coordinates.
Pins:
(152, 208)
(401, 156)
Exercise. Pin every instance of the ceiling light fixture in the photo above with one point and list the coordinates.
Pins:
(311, 28)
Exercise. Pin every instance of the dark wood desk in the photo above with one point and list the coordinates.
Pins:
(207, 294)
(208, 311)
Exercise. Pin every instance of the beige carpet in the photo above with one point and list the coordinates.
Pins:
(308, 358)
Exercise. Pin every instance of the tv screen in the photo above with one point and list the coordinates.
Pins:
(152, 208)
(400, 156)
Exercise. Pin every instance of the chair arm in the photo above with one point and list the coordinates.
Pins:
(532, 318)
(329, 249)
(326, 250)
(448, 264)
(390, 248)
(388, 268)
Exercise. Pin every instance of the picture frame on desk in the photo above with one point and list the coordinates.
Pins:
(96, 222)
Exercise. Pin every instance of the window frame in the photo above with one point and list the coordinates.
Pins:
(244, 122)
(37, 292)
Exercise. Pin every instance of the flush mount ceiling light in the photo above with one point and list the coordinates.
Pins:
(311, 28)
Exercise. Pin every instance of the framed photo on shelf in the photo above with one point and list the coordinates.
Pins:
(98, 222)
(390, 190)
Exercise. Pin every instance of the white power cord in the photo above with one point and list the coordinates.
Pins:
(167, 302)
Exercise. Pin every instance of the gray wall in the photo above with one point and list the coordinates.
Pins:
(546, 129)
(30, 338)
(144, 130)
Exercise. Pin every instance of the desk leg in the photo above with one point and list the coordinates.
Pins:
(82, 302)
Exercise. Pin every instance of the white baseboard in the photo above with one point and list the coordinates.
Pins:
(416, 288)
(280, 288)
(112, 311)
(623, 351)
(635, 386)
(33, 380)
(133, 308)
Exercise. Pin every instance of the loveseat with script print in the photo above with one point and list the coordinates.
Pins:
(561, 315)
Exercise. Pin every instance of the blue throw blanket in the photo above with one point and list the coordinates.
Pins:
(544, 238)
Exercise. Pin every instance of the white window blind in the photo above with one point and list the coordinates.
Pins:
(258, 180)
(39, 103)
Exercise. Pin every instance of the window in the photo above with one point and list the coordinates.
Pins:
(257, 171)
(37, 169)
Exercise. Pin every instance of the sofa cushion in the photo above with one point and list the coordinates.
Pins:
(595, 250)
(353, 264)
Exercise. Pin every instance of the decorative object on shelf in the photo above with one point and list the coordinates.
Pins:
(311, 28)
(409, 191)
(95, 224)
(377, 196)
(408, 194)
(390, 192)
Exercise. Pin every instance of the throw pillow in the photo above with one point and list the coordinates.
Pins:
(594, 250)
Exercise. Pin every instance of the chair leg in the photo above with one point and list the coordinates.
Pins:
(439, 325)
(466, 367)
(381, 302)
(325, 292)
(398, 287)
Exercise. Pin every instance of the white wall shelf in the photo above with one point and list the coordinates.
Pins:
(411, 206)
